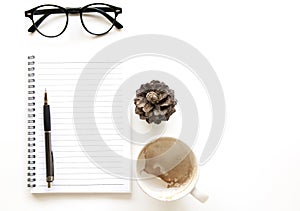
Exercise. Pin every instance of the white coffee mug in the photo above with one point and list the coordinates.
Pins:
(165, 160)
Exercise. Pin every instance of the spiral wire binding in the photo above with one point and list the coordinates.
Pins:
(31, 124)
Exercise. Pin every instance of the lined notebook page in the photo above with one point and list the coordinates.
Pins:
(74, 166)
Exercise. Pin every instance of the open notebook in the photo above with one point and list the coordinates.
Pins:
(74, 166)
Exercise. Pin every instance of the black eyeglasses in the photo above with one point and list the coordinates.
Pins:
(52, 20)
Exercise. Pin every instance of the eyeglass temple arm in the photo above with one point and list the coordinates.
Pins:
(38, 22)
(46, 13)
(103, 11)
(58, 11)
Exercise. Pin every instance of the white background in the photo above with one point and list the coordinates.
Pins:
(254, 46)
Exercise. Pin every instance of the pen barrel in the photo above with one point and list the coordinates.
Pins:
(49, 157)
(47, 118)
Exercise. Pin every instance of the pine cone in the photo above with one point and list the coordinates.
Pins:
(155, 102)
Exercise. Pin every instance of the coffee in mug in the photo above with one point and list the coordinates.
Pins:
(167, 170)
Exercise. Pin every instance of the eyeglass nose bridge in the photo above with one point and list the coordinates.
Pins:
(73, 10)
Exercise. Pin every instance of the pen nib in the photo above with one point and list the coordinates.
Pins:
(45, 97)
(49, 184)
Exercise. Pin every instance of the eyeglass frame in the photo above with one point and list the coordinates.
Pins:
(75, 10)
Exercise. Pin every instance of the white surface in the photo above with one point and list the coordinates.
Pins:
(254, 47)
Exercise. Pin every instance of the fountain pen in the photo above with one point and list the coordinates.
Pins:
(48, 147)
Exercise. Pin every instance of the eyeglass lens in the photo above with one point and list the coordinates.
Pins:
(50, 20)
(98, 18)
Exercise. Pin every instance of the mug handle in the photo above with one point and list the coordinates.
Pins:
(199, 196)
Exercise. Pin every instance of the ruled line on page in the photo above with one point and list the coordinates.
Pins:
(76, 62)
(73, 185)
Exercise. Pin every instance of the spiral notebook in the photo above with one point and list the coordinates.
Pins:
(76, 170)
